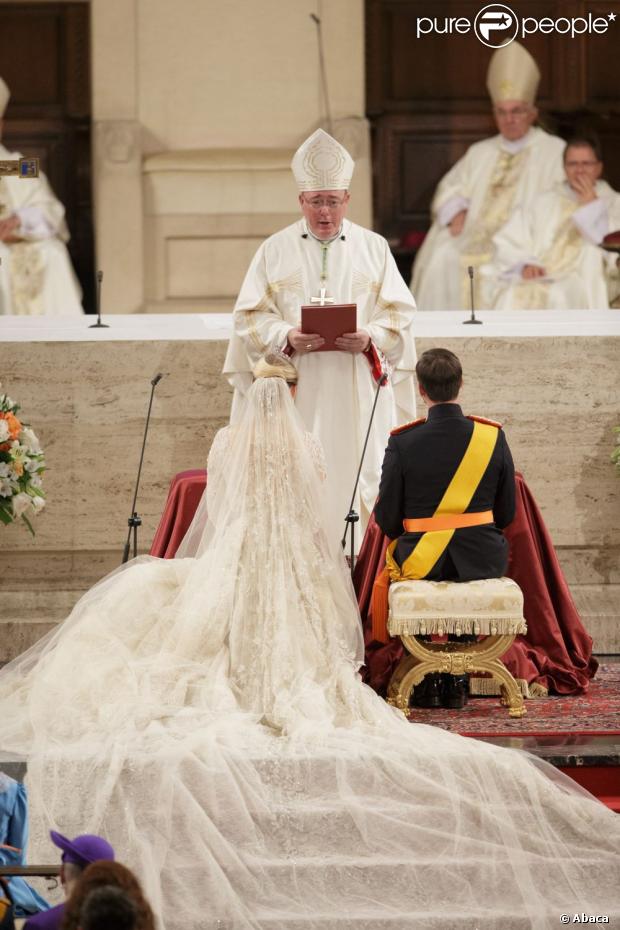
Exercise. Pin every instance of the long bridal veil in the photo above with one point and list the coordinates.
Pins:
(206, 715)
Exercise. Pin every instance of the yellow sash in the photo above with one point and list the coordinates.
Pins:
(433, 543)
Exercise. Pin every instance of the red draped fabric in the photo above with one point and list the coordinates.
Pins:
(556, 652)
(184, 495)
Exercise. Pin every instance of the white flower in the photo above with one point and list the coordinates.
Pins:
(29, 440)
(21, 503)
(4, 430)
(35, 480)
(38, 504)
(18, 453)
(4, 470)
(6, 487)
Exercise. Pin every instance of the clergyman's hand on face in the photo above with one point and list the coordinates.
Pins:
(8, 228)
(304, 342)
(585, 189)
(457, 223)
(353, 342)
(532, 271)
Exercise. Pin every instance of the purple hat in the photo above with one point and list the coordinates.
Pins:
(83, 849)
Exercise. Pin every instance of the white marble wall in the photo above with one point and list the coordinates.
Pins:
(556, 397)
(186, 80)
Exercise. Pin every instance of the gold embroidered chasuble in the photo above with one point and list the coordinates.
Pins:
(560, 235)
(37, 274)
(336, 389)
(491, 183)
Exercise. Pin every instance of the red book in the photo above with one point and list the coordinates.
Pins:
(330, 322)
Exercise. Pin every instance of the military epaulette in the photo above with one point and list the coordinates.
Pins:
(406, 426)
(484, 420)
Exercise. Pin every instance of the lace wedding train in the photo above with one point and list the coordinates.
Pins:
(205, 714)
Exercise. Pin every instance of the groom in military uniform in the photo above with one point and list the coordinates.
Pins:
(447, 490)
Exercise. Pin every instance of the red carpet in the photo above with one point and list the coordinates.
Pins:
(595, 713)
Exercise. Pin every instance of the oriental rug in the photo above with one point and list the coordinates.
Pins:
(595, 713)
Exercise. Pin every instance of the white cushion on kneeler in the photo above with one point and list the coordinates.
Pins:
(488, 607)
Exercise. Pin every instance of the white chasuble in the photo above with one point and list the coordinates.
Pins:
(336, 390)
(493, 178)
(37, 276)
(562, 236)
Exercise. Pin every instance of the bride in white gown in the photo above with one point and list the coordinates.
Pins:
(205, 714)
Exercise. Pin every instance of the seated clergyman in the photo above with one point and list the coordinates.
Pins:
(447, 490)
(37, 277)
(549, 256)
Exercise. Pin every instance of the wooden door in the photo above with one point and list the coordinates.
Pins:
(45, 60)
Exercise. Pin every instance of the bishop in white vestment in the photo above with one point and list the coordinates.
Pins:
(323, 251)
(36, 275)
(479, 194)
(550, 256)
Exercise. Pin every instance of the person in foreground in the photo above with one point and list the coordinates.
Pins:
(114, 887)
(550, 255)
(77, 854)
(444, 472)
(108, 907)
(210, 713)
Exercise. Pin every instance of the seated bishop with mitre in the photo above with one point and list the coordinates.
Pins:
(447, 490)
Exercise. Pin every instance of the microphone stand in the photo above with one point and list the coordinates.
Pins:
(319, 34)
(99, 324)
(472, 319)
(134, 520)
(352, 517)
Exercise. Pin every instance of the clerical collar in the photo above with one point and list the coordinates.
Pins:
(516, 145)
(308, 232)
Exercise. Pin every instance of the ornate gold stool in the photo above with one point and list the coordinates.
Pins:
(492, 608)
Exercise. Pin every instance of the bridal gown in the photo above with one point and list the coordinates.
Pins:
(206, 715)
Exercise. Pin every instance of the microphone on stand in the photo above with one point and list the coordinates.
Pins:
(99, 324)
(472, 318)
(134, 520)
(352, 517)
(317, 23)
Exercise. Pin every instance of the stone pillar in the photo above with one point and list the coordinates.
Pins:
(119, 214)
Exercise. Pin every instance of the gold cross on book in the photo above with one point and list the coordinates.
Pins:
(20, 168)
(321, 300)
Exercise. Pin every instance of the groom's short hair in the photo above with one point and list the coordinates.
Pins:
(440, 373)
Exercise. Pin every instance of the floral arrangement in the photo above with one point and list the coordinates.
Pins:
(21, 465)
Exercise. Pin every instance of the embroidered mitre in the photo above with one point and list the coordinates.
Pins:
(512, 74)
(322, 164)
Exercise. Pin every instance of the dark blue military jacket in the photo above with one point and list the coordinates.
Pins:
(420, 461)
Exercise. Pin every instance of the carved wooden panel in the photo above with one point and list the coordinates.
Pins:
(45, 60)
(427, 98)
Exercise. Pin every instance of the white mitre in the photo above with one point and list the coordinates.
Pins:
(5, 95)
(513, 74)
(322, 164)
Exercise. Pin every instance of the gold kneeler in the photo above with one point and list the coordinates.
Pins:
(492, 608)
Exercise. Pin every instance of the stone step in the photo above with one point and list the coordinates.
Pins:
(27, 614)
(52, 604)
